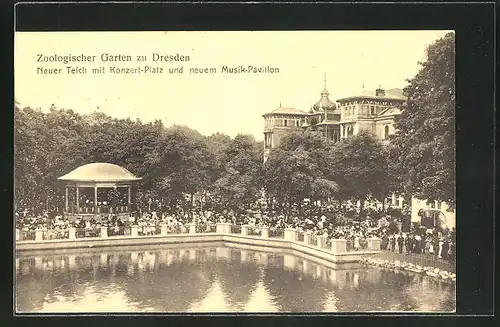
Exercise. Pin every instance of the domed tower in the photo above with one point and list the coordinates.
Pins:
(324, 103)
(324, 116)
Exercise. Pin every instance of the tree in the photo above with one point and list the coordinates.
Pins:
(28, 154)
(218, 144)
(42, 153)
(239, 184)
(360, 167)
(424, 145)
(299, 169)
(180, 165)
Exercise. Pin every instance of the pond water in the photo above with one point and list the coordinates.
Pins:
(214, 278)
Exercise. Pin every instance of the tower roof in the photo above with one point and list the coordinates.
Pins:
(324, 102)
(285, 111)
(379, 94)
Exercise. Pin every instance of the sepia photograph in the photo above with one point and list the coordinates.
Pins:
(235, 172)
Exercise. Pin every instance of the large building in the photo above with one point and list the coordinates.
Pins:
(372, 110)
(323, 116)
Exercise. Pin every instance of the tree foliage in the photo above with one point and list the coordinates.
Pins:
(360, 167)
(176, 163)
(239, 182)
(423, 148)
(299, 169)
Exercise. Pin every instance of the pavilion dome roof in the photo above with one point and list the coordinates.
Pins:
(100, 172)
(324, 102)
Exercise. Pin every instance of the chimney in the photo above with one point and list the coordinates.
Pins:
(380, 92)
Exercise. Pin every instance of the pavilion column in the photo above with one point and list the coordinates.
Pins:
(129, 199)
(341, 131)
(77, 200)
(66, 198)
(95, 200)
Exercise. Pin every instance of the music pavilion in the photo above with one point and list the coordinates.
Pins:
(98, 190)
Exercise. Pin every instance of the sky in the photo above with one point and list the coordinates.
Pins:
(219, 102)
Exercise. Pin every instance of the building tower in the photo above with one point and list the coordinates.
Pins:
(324, 116)
(279, 122)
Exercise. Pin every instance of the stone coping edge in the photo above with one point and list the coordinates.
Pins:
(344, 257)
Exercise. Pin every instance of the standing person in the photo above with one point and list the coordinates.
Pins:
(440, 248)
(446, 247)
(418, 244)
(385, 242)
(431, 246)
(356, 241)
(424, 243)
(435, 245)
(400, 243)
(408, 243)
(393, 243)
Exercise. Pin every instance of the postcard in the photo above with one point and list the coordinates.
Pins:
(235, 172)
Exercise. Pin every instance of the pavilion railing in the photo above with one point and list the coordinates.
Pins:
(200, 228)
(252, 230)
(83, 232)
(235, 229)
(178, 229)
(102, 209)
(276, 232)
(328, 243)
(149, 230)
(205, 228)
(420, 259)
(119, 230)
(363, 243)
(27, 235)
(211, 228)
(56, 234)
(314, 239)
(350, 244)
(300, 237)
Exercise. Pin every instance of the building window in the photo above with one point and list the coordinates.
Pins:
(433, 205)
(386, 132)
(439, 205)
(297, 123)
(372, 110)
(285, 122)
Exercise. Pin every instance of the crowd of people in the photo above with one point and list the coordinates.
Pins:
(331, 220)
(442, 244)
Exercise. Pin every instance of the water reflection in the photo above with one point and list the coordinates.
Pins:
(215, 279)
